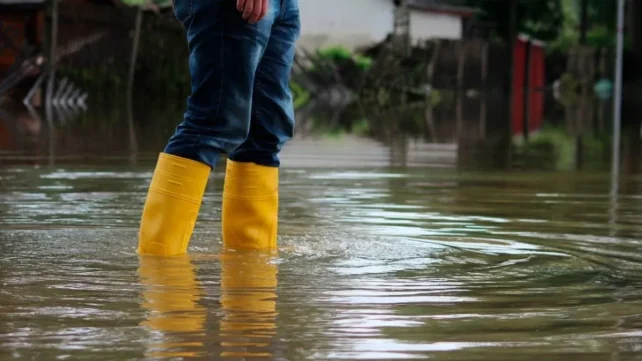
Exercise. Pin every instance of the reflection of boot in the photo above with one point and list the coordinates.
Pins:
(172, 205)
(248, 298)
(250, 206)
(171, 298)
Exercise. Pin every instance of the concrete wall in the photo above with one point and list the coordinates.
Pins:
(353, 23)
(424, 25)
(345, 22)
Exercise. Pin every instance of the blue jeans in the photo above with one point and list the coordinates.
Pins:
(240, 102)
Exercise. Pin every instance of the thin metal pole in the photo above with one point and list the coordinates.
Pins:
(133, 145)
(617, 101)
(134, 53)
(53, 44)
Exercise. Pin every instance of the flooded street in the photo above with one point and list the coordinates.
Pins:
(446, 195)
(375, 263)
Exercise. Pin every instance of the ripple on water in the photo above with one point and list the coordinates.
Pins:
(372, 265)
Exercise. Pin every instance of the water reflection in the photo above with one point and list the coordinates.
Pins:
(171, 297)
(248, 302)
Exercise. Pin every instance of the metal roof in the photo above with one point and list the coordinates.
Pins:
(441, 6)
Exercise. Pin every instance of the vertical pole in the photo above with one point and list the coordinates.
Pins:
(579, 159)
(508, 86)
(430, 115)
(526, 91)
(130, 84)
(134, 54)
(484, 91)
(617, 110)
(459, 111)
(53, 44)
(401, 28)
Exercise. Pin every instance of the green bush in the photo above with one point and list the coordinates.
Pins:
(555, 148)
(336, 53)
(300, 95)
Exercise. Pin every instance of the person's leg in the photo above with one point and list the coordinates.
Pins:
(250, 198)
(224, 53)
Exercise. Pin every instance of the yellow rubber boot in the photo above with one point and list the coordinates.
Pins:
(172, 206)
(250, 206)
(248, 302)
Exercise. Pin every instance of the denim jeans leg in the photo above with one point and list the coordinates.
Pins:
(272, 121)
(225, 51)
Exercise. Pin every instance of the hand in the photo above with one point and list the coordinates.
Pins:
(253, 10)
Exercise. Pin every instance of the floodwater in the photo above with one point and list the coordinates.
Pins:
(375, 263)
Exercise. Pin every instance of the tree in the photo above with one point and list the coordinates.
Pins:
(542, 19)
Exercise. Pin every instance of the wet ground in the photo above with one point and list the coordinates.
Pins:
(374, 263)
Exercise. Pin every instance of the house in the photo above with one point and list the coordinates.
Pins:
(357, 23)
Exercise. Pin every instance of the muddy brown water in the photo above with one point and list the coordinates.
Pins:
(375, 263)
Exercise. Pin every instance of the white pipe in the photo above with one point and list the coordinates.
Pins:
(617, 101)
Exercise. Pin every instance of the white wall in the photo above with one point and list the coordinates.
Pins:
(424, 25)
(344, 22)
(353, 23)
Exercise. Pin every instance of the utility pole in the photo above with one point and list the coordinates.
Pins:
(617, 102)
(401, 29)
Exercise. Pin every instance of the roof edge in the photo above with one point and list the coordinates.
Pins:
(463, 12)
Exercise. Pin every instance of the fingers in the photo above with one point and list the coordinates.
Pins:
(258, 9)
(264, 8)
(249, 7)
(253, 10)
(240, 5)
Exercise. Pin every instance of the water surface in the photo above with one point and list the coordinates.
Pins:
(374, 264)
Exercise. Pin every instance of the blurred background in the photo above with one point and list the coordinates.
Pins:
(453, 83)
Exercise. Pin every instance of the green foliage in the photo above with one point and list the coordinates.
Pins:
(601, 24)
(542, 19)
(555, 148)
(340, 55)
(361, 127)
(435, 97)
(300, 95)
(336, 53)
(600, 36)
(363, 62)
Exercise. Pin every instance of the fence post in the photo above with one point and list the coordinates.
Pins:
(134, 55)
(484, 90)
(460, 92)
(429, 113)
(130, 83)
(53, 44)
